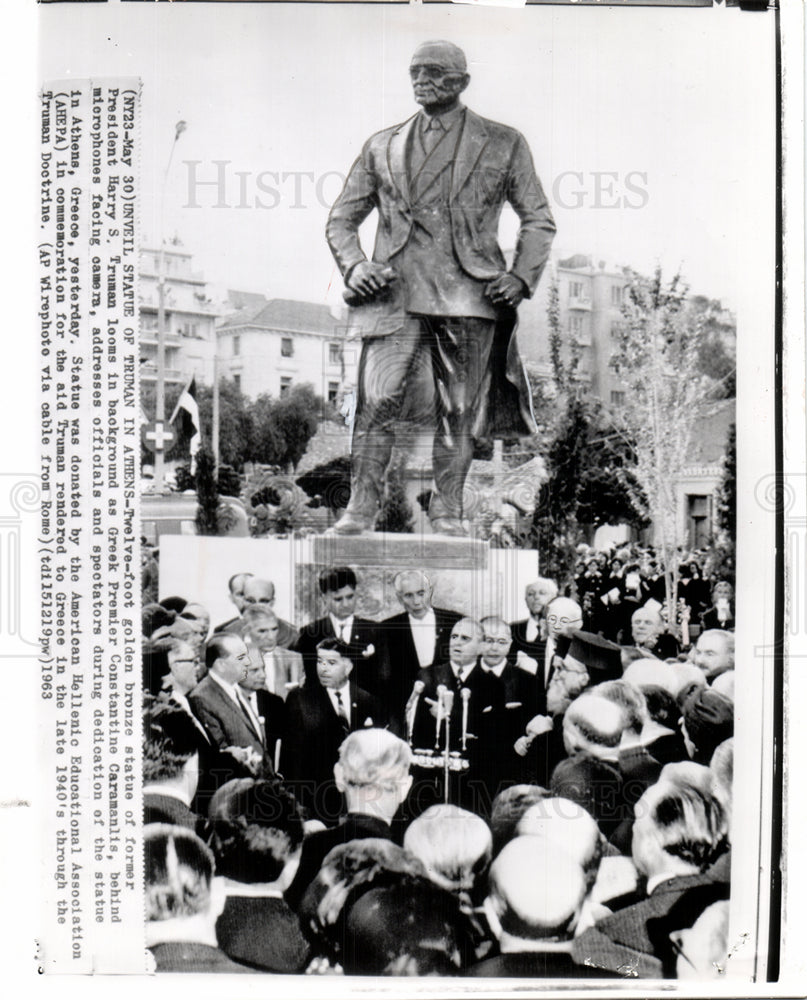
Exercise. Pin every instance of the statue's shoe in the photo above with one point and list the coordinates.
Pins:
(449, 526)
(351, 524)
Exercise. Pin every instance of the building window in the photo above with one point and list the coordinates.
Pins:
(236, 345)
(285, 384)
(237, 381)
(286, 347)
(576, 290)
(617, 397)
(616, 295)
(576, 326)
(334, 354)
(333, 391)
(616, 331)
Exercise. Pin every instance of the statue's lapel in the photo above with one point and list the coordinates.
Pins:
(396, 157)
(472, 143)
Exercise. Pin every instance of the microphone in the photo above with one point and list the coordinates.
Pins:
(441, 693)
(465, 694)
(412, 707)
(448, 701)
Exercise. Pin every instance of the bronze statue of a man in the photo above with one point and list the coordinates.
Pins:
(437, 289)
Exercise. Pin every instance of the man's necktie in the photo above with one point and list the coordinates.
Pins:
(250, 716)
(341, 712)
(432, 134)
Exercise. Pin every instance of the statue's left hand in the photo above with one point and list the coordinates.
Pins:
(506, 290)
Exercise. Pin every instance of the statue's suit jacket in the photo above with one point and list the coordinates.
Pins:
(492, 166)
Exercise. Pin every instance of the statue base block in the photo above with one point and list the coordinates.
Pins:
(378, 548)
(466, 574)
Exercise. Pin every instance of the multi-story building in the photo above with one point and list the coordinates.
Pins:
(190, 318)
(268, 347)
(589, 301)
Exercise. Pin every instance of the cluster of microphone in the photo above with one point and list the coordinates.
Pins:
(444, 707)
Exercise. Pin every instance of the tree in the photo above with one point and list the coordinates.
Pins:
(283, 427)
(235, 422)
(206, 493)
(658, 361)
(296, 415)
(328, 484)
(591, 482)
(396, 512)
(721, 559)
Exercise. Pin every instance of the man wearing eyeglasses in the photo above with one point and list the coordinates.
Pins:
(523, 697)
(563, 616)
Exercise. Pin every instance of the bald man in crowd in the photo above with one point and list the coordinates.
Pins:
(649, 632)
(533, 906)
(590, 775)
(713, 653)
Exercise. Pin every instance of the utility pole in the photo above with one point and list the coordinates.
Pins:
(159, 415)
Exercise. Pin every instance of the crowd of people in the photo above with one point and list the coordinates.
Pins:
(435, 794)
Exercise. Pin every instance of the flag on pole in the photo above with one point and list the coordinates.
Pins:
(187, 415)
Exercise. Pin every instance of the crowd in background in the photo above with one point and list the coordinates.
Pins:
(434, 794)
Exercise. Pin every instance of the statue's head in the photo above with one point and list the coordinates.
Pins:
(438, 74)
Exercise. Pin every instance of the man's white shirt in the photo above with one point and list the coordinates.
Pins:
(497, 670)
(344, 692)
(533, 630)
(342, 627)
(424, 635)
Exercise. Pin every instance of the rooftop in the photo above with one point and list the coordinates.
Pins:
(284, 314)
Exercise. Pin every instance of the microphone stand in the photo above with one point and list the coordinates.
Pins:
(446, 770)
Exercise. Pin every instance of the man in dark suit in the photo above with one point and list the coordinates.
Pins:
(235, 586)
(337, 586)
(439, 182)
(679, 832)
(523, 699)
(260, 593)
(473, 721)
(283, 667)
(269, 709)
(647, 630)
(170, 765)
(411, 640)
(319, 715)
(373, 774)
(220, 705)
(182, 902)
(530, 634)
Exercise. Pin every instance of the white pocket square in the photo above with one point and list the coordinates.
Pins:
(368, 721)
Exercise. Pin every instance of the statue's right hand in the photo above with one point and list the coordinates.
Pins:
(368, 278)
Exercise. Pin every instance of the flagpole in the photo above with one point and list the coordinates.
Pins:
(159, 414)
(215, 431)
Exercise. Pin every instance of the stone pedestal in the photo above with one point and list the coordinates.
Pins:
(466, 573)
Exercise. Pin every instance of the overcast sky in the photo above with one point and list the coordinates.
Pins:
(676, 103)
